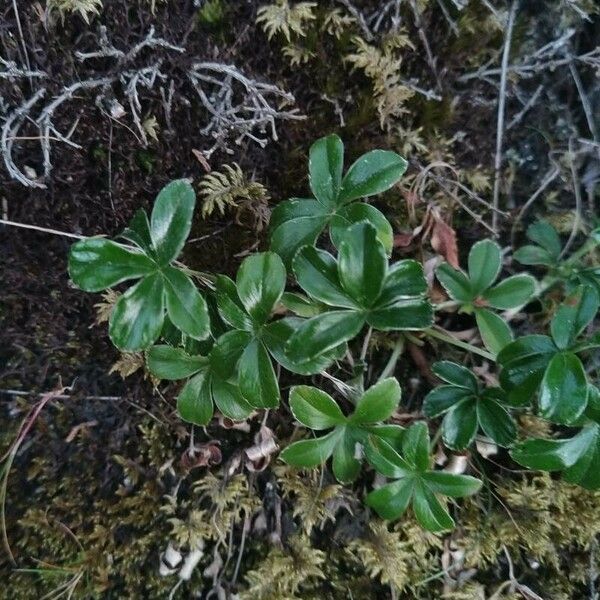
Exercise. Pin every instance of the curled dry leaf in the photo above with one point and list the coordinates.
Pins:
(486, 448)
(170, 560)
(443, 239)
(457, 464)
(259, 456)
(202, 455)
(227, 423)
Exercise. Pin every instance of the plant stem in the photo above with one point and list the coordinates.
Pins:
(365, 346)
(445, 337)
(393, 359)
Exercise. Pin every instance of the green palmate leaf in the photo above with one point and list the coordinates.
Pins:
(378, 403)
(564, 389)
(553, 455)
(171, 219)
(542, 233)
(534, 255)
(450, 484)
(230, 306)
(495, 331)
(166, 362)
(523, 363)
(311, 453)
(404, 279)
(443, 398)
(227, 351)
(392, 434)
(415, 446)
(460, 424)
(372, 173)
(186, 308)
(229, 400)
(97, 263)
(138, 232)
(276, 335)
(317, 273)
(325, 166)
(195, 403)
(496, 423)
(404, 315)
(384, 458)
(455, 282)
(323, 333)
(429, 511)
(296, 223)
(512, 292)
(362, 264)
(137, 318)
(301, 305)
(485, 262)
(356, 212)
(391, 500)
(456, 375)
(573, 316)
(256, 377)
(260, 283)
(586, 471)
(314, 408)
(345, 466)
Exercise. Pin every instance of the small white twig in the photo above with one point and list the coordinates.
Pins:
(501, 108)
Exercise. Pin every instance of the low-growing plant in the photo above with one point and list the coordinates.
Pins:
(231, 343)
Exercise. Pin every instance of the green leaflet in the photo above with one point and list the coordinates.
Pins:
(318, 411)
(416, 484)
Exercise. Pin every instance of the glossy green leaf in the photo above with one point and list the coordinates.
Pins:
(317, 274)
(166, 362)
(230, 306)
(296, 223)
(485, 262)
(362, 264)
(229, 400)
(415, 446)
(553, 455)
(460, 424)
(227, 351)
(450, 484)
(314, 408)
(457, 375)
(385, 459)
(323, 333)
(391, 500)
(573, 316)
(455, 282)
(392, 434)
(494, 330)
(325, 166)
(378, 403)
(276, 335)
(356, 212)
(404, 315)
(345, 466)
(97, 263)
(186, 308)
(256, 376)
(512, 292)
(586, 471)
(260, 282)
(138, 232)
(404, 279)
(301, 305)
(171, 219)
(496, 423)
(543, 234)
(137, 318)
(194, 402)
(428, 510)
(533, 255)
(373, 173)
(564, 389)
(312, 452)
(443, 398)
